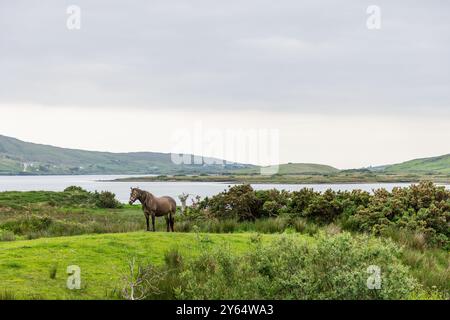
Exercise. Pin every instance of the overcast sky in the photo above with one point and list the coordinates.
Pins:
(337, 92)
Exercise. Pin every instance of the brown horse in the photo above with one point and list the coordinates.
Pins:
(155, 207)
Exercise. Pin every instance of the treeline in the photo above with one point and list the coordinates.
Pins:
(422, 209)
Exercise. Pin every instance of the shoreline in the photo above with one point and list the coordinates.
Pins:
(300, 180)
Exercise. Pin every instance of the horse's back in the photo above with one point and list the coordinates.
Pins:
(167, 204)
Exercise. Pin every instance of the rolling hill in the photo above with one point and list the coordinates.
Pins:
(433, 165)
(19, 157)
(294, 169)
(24, 158)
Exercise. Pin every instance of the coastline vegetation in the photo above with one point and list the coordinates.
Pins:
(342, 177)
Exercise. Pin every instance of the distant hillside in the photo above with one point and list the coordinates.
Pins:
(297, 168)
(19, 157)
(432, 165)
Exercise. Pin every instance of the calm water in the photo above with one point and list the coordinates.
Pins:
(122, 189)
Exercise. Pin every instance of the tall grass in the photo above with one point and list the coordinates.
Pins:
(7, 295)
(431, 267)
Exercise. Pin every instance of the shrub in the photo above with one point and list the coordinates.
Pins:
(238, 202)
(423, 209)
(74, 189)
(106, 199)
(332, 268)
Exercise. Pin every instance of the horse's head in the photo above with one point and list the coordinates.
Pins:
(135, 192)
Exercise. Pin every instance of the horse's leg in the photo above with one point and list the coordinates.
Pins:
(167, 222)
(153, 222)
(172, 221)
(148, 224)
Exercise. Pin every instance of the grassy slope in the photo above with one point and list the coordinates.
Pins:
(54, 160)
(294, 168)
(25, 265)
(439, 164)
(306, 168)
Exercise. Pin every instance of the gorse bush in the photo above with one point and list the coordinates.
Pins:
(237, 202)
(329, 268)
(74, 189)
(106, 199)
(423, 209)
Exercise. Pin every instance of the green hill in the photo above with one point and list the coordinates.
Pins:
(294, 169)
(434, 165)
(19, 157)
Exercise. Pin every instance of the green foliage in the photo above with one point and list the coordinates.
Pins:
(74, 189)
(106, 199)
(422, 209)
(331, 268)
(239, 202)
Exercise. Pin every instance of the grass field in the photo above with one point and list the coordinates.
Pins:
(42, 233)
(25, 266)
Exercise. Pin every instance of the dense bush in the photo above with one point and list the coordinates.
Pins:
(238, 202)
(74, 189)
(106, 199)
(330, 268)
(423, 209)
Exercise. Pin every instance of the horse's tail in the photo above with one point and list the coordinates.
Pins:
(172, 214)
(173, 209)
(174, 206)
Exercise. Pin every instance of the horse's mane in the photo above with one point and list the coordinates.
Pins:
(144, 193)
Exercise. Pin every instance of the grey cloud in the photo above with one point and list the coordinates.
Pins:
(252, 54)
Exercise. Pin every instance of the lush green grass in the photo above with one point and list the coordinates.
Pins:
(26, 266)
